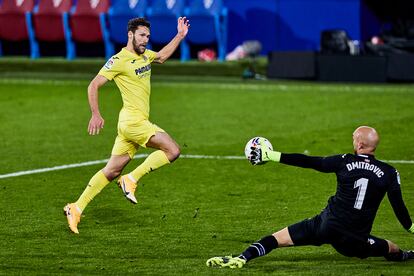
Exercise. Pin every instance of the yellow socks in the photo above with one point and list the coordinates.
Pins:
(152, 162)
(95, 186)
(99, 181)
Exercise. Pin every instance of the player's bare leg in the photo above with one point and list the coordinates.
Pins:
(167, 152)
(165, 143)
(112, 169)
(115, 166)
(283, 238)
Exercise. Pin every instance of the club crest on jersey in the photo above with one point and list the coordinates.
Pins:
(144, 57)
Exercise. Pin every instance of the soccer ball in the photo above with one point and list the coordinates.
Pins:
(254, 143)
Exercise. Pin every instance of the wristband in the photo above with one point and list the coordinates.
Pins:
(411, 230)
(274, 156)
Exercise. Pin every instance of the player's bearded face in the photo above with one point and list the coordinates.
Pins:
(140, 39)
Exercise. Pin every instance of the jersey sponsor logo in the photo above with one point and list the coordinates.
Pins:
(365, 166)
(143, 69)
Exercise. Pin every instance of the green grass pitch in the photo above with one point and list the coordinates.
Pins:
(196, 208)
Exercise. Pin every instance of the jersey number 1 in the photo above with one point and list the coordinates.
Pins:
(362, 185)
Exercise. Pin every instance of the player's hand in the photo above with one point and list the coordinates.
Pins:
(182, 26)
(255, 156)
(411, 230)
(260, 154)
(96, 123)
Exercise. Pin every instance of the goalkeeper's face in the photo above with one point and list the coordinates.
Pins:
(140, 39)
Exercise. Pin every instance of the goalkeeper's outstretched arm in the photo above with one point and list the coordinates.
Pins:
(400, 210)
(322, 164)
(303, 161)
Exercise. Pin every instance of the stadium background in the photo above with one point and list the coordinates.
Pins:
(287, 24)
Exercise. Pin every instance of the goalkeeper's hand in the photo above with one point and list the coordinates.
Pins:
(411, 230)
(255, 156)
(262, 154)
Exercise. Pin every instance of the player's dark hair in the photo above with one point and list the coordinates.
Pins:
(134, 23)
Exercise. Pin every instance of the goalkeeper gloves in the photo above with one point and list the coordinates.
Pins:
(411, 230)
(263, 153)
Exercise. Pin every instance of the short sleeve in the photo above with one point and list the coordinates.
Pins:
(151, 55)
(111, 68)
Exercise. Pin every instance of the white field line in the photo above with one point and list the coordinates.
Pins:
(103, 161)
(138, 156)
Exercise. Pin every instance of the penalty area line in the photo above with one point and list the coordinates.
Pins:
(138, 156)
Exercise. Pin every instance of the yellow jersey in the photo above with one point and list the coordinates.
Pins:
(132, 75)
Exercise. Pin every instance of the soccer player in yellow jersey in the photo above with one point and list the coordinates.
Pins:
(131, 71)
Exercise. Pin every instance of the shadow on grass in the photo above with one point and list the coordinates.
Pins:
(321, 263)
(109, 215)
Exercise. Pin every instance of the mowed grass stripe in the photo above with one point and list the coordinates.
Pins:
(185, 156)
(236, 85)
(197, 208)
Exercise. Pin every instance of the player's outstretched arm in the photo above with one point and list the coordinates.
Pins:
(182, 29)
(322, 164)
(96, 123)
(263, 154)
(397, 203)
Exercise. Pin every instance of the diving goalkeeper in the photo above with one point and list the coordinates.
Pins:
(346, 222)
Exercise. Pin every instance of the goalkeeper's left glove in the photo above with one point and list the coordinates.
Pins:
(411, 230)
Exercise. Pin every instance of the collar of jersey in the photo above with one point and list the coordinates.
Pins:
(365, 155)
(131, 54)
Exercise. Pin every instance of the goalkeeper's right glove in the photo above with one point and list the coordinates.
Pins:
(411, 230)
(263, 154)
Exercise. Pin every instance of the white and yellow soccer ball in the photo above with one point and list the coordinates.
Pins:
(254, 143)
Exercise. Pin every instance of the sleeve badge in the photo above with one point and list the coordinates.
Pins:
(398, 177)
(108, 65)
